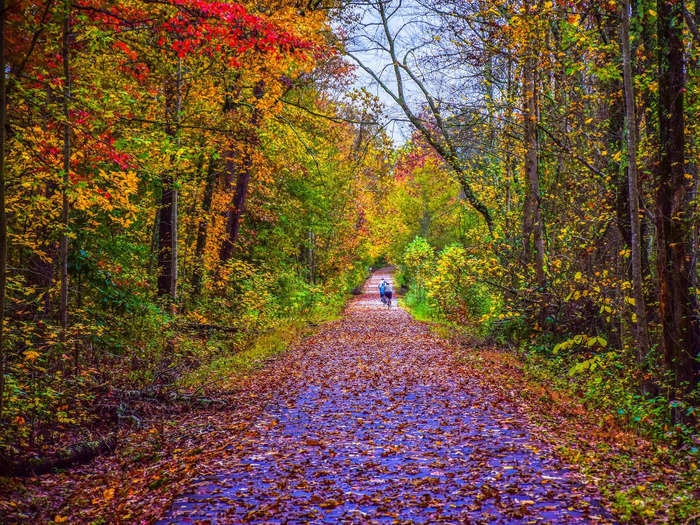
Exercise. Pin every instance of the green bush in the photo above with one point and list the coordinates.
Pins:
(417, 263)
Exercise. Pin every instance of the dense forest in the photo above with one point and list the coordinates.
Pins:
(181, 178)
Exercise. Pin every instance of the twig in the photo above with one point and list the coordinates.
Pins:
(196, 326)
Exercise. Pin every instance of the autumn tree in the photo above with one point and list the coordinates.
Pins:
(677, 299)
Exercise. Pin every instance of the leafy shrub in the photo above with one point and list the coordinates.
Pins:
(443, 286)
(450, 285)
(417, 264)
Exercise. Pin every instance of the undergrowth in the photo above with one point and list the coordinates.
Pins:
(226, 370)
(148, 353)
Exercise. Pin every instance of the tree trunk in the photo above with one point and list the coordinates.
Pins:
(173, 245)
(201, 242)
(532, 217)
(165, 235)
(63, 257)
(312, 257)
(3, 215)
(633, 189)
(173, 238)
(167, 230)
(617, 170)
(154, 239)
(234, 213)
(680, 339)
(695, 210)
(77, 454)
(233, 216)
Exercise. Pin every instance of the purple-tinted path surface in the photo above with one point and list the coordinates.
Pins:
(377, 425)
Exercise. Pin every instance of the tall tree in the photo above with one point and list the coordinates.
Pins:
(168, 224)
(3, 211)
(633, 187)
(63, 251)
(680, 339)
(241, 171)
(202, 227)
(532, 214)
(435, 130)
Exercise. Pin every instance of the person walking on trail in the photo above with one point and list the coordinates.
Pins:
(387, 293)
(382, 285)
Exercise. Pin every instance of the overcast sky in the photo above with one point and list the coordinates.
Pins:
(418, 31)
(363, 45)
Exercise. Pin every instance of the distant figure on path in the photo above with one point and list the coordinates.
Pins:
(382, 286)
(388, 293)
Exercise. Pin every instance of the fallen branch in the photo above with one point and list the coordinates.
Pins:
(70, 457)
(203, 327)
(183, 398)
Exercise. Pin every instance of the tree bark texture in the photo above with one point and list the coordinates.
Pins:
(680, 340)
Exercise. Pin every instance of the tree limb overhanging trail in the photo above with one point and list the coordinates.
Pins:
(441, 140)
(378, 420)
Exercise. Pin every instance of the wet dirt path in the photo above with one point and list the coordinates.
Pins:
(375, 423)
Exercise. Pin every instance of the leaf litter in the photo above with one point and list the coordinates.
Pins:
(376, 421)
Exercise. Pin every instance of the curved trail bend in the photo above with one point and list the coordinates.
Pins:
(377, 422)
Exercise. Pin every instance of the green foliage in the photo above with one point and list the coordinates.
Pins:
(450, 281)
(420, 306)
(225, 368)
(454, 288)
(604, 380)
(417, 263)
(443, 286)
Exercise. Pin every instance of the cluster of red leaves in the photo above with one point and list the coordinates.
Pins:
(180, 27)
(187, 27)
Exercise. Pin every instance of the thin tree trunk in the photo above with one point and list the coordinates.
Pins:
(617, 170)
(202, 229)
(167, 228)
(3, 215)
(532, 217)
(173, 249)
(63, 307)
(680, 331)
(154, 239)
(633, 189)
(233, 216)
(173, 239)
(510, 166)
(695, 228)
(527, 203)
(312, 257)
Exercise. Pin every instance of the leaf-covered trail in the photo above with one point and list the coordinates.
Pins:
(378, 421)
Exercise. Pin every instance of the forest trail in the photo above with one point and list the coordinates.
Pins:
(377, 422)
